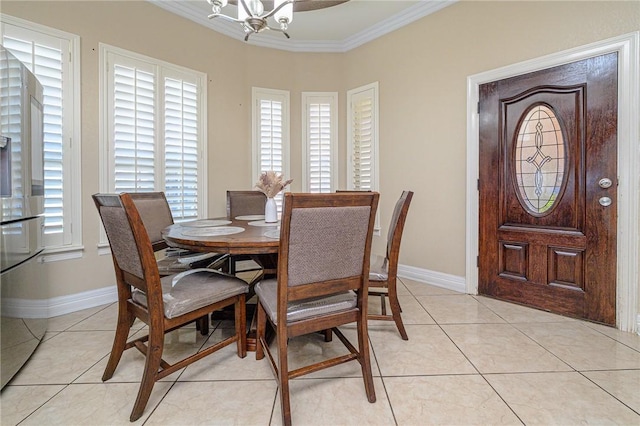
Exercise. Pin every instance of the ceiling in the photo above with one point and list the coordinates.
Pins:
(335, 29)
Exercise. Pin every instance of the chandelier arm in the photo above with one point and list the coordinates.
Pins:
(228, 18)
(275, 29)
(275, 10)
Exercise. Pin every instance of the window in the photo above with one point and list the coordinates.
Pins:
(54, 57)
(270, 122)
(319, 136)
(154, 130)
(362, 140)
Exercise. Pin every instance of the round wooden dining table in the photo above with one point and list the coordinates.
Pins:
(252, 240)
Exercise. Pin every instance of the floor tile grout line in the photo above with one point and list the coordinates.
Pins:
(527, 336)
(586, 324)
(384, 386)
(43, 404)
(609, 393)
(502, 398)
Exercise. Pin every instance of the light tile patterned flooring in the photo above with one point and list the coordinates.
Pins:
(469, 360)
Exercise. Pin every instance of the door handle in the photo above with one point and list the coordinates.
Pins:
(605, 201)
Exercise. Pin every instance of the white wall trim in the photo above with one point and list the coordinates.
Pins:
(628, 248)
(56, 306)
(277, 41)
(438, 279)
(84, 300)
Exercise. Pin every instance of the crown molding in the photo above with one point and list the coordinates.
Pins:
(233, 30)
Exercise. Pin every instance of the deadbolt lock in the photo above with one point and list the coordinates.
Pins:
(605, 183)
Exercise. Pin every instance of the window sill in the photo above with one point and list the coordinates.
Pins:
(57, 254)
(104, 249)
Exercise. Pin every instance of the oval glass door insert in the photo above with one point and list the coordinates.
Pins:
(540, 158)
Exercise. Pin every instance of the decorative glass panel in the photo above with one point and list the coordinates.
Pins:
(540, 159)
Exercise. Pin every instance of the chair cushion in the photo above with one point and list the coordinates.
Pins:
(303, 309)
(378, 270)
(187, 291)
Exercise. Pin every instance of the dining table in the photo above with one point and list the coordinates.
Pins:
(243, 235)
(225, 236)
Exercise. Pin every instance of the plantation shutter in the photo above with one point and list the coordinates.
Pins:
(181, 147)
(270, 136)
(46, 62)
(362, 124)
(155, 131)
(134, 123)
(362, 159)
(319, 147)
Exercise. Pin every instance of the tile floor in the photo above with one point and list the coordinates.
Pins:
(469, 360)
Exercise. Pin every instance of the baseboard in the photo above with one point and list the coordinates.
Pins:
(56, 306)
(438, 279)
(87, 299)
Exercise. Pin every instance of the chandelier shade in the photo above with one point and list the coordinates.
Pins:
(253, 15)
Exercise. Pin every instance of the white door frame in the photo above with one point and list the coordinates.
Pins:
(627, 312)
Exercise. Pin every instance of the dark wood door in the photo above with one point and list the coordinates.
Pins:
(548, 189)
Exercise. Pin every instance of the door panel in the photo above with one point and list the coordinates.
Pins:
(546, 140)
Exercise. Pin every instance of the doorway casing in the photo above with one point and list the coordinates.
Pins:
(627, 46)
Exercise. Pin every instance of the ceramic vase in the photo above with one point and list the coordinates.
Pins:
(270, 211)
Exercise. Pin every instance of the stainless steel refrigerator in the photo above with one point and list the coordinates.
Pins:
(24, 292)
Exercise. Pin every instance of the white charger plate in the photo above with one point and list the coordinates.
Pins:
(272, 233)
(205, 223)
(213, 231)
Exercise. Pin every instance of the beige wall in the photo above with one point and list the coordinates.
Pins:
(421, 69)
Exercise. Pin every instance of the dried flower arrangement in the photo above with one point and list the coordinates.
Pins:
(270, 183)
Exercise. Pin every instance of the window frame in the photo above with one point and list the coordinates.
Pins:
(309, 98)
(372, 91)
(69, 245)
(258, 94)
(161, 70)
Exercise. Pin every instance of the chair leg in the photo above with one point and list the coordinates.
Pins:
(261, 325)
(396, 310)
(283, 376)
(125, 320)
(202, 324)
(365, 360)
(155, 346)
(241, 325)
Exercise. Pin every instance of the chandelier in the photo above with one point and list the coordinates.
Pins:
(252, 16)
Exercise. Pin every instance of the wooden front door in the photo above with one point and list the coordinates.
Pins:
(548, 189)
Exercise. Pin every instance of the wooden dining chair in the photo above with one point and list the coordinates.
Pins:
(156, 216)
(322, 280)
(247, 203)
(384, 269)
(163, 304)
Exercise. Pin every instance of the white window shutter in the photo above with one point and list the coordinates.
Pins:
(362, 160)
(46, 62)
(154, 135)
(271, 134)
(362, 141)
(319, 139)
(181, 147)
(134, 125)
